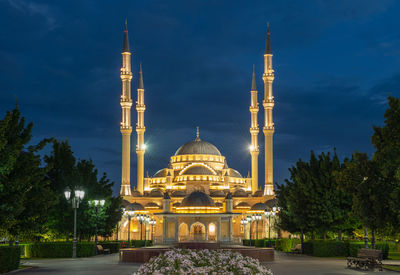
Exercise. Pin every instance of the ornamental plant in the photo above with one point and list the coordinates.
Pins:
(196, 262)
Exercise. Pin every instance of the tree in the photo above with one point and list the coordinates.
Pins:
(25, 195)
(311, 201)
(386, 141)
(361, 177)
(67, 172)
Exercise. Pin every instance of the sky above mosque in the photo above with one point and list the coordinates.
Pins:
(335, 64)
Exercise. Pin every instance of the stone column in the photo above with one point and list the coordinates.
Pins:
(176, 229)
(164, 229)
(219, 229)
(230, 229)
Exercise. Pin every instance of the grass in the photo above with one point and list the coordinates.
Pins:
(394, 255)
(392, 267)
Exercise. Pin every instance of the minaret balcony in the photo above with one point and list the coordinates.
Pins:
(126, 103)
(254, 130)
(140, 108)
(253, 109)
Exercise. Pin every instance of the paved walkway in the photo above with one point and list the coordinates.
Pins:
(108, 264)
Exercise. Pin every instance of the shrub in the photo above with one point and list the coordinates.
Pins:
(141, 243)
(285, 245)
(58, 250)
(322, 248)
(247, 242)
(113, 246)
(259, 243)
(9, 258)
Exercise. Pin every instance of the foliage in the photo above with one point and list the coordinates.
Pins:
(113, 246)
(141, 243)
(9, 258)
(386, 141)
(311, 200)
(67, 172)
(25, 194)
(354, 247)
(247, 242)
(286, 245)
(321, 248)
(202, 262)
(58, 250)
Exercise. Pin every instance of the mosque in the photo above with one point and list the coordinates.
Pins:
(197, 196)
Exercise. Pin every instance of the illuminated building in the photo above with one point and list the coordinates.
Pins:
(197, 197)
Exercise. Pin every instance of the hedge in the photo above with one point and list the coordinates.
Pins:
(59, 250)
(141, 243)
(247, 242)
(286, 245)
(320, 248)
(113, 246)
(9, 258)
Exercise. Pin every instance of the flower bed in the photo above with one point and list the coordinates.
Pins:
(182, 261)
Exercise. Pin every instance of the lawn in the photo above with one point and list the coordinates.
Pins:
(392, 267)
(394, 255)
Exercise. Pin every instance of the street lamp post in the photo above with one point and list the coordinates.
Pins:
(129, 213)
(152, 223)
(97, 204)
(78, 197)
(244, 221)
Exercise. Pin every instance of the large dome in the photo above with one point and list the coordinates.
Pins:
(198, 147)
(197, 198)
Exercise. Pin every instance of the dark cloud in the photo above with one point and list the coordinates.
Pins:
(335, 63)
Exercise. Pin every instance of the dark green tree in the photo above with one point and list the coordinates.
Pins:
(24, 190)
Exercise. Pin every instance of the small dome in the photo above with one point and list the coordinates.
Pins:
(198, 198)
(135, 207)
(271, 203)
(178, 193)
(259, 206)
(161, 173)
(198, 170)
(152, 205)
(198, 147)
(176, 204)
(125, 203)
(136, 193)
(218, 204)
(218, 193)
(243, 205)
(240, 193)
(156, 193)
(234, 173)
(258, 193)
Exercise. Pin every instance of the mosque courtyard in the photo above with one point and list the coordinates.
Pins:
(109, 264)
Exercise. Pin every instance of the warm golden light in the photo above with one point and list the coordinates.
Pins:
(212, 228)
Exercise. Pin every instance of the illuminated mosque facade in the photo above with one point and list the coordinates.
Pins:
(197, 196)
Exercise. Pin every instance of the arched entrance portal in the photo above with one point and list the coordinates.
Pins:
(197, 232)
(212, 232)
(183, 232)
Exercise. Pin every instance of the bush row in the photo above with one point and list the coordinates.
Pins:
(59, 250)
(9, 258)
(259, 243)
(141, 243)
(320, 248)
(286, 245)
(113, 246)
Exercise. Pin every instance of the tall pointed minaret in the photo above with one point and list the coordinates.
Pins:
(126, 104)
(140, 129)
(269, 128)
(254, 134)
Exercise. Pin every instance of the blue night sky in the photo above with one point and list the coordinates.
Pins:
(335, 64)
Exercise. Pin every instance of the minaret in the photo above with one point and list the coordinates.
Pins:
(140, 129)
(126, 104)
(268, 129)
(254, 134)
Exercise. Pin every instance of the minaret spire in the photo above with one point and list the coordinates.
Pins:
(125, 47)
(126, 104)
(197, 134)
(268, 41)
(269, 127)
(140, 129)
(254, 130)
